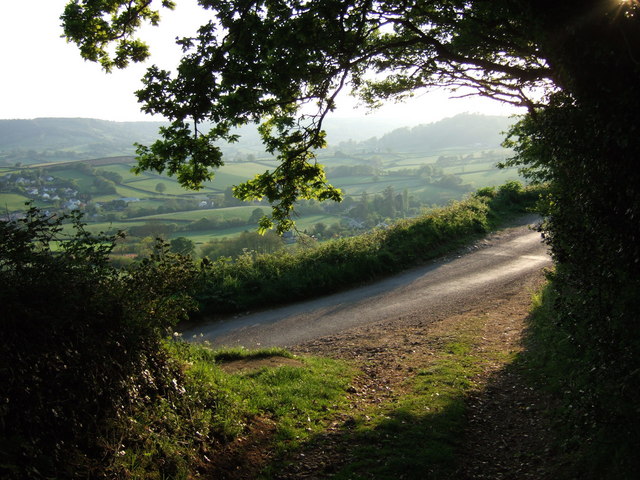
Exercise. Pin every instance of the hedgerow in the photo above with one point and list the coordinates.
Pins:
(81, 348)
(253, 279)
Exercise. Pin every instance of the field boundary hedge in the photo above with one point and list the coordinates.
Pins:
(254, 280)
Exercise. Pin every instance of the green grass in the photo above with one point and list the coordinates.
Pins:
(12, 201)
(238, 353)
(106, 198)
(300, 399)
(247, 169)
(435, 195)
(308, 221)
(131, 191)
(367, 184)
(123, 169)
(224, 179)
(169, 437)
(149, 185)
(152, 202)
(202, 237)
(416, 435)
(483, 179)
(8, 170)
(243, 212)
(85, 182)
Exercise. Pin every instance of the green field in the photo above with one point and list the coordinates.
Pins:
(122, 169)
(147, 186)
(489, 177)
(84, 181)
(355, 186)
(478, 171)
(202, 237)
(248, 169)
(12, 201)
(217, 213)
(309, 221)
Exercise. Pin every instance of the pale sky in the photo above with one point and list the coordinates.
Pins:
(42, 75)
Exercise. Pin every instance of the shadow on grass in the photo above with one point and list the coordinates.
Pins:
(413, 437)
(500, 432)
(446, 428)
(399, 445)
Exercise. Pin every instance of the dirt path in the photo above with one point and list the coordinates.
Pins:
(481, 273)
(506, 437)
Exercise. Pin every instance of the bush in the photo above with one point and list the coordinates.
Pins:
(585, 389)
(255, 279)
(81, 344)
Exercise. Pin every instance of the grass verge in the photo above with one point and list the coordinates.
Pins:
(187, 434)
(409, 429)
(416, 436)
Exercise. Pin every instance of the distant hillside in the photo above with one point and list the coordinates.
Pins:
(44, 140)
(69, 132)
(461, 131)
(54, 140)
(64, 139)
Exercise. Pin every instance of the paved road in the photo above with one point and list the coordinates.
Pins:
(449, 286)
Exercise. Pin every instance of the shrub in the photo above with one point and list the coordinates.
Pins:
(81, 344)
(256, 279)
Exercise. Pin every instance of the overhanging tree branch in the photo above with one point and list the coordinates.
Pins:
(263, 61)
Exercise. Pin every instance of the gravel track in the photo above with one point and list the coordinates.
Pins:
(450, 286)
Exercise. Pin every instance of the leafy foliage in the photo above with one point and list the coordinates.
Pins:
(81, 344)
(182, 246)
(585, 142)
(94, 24)
(283, 64)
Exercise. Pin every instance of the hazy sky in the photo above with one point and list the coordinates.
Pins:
(43, 76)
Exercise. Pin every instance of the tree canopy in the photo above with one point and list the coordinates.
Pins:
(282, 64)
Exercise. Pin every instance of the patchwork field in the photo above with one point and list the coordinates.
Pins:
(154, 199)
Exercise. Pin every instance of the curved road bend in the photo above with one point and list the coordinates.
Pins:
(445, 287)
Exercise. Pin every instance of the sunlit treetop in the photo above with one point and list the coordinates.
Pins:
(282, 63)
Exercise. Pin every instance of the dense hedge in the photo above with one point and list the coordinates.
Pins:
(592, 226)
(80, 346)
(585, 143)
(254, 279)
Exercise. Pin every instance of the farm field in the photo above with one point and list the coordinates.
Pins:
(303, 223)
(13, 201)
(224, 213)
(131, 201)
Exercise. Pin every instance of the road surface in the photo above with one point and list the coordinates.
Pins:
(486, 270)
